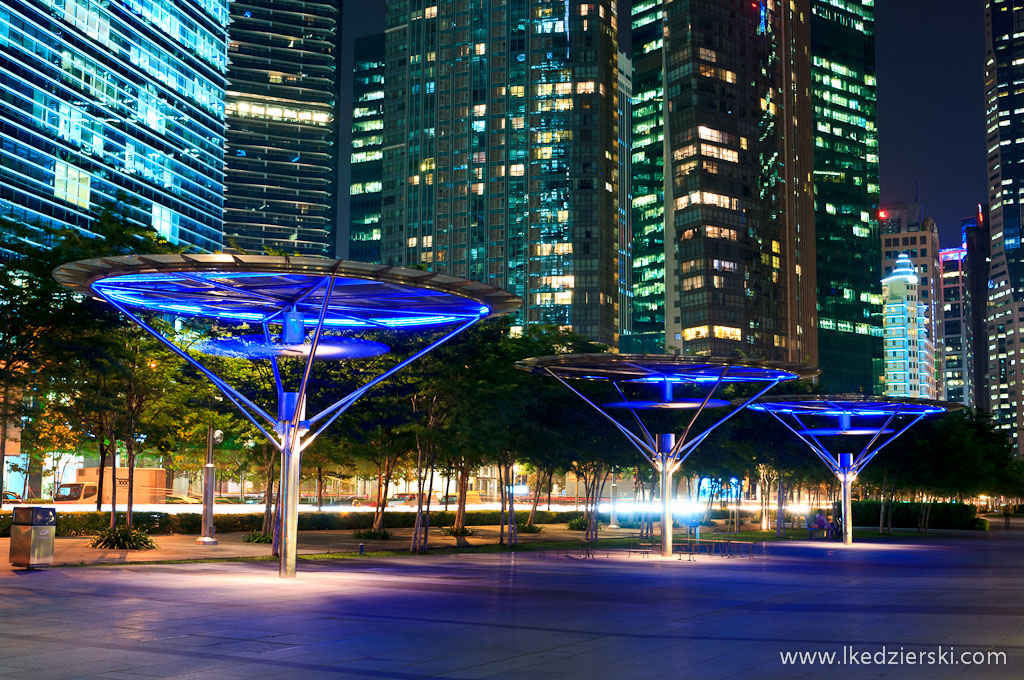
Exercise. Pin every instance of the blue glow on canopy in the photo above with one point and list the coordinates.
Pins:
(684, 374)
(258, 297)
(835, 409)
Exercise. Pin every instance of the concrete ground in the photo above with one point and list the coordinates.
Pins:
(530, 616)
(74, 550)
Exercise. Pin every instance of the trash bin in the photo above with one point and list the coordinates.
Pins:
(32, 536)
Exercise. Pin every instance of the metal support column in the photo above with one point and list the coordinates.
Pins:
(209, 480)
(846, 475)
(666, 442)
(288, 497)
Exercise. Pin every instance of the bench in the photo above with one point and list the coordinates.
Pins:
(813, 528)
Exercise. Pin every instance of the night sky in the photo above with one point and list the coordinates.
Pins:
(930, 56)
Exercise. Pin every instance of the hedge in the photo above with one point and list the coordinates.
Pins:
(907, 515)
(89, 523)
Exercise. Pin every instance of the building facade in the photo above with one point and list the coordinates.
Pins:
(647, 182)
(739, 214)
(111, 100)
(909, 349)
(978, 242)
(906, 230)
(281, 148)
(955, 343)
(501, 152)
(1004, 67)
(625, 206)
(846, 195)
(366, 160)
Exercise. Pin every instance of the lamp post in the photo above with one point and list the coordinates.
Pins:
(209, 482)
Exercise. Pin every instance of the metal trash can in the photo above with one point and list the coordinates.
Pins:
(32, 536)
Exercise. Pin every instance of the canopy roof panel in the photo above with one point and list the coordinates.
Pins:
(852, 405)
(661, 368)
(260, 288)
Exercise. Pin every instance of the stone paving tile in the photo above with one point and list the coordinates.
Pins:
(522, 616)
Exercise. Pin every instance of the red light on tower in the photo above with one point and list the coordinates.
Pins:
(883, 214)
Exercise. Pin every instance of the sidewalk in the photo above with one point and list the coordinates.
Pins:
(70, 550)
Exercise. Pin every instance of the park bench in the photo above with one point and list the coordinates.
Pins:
(813, 528)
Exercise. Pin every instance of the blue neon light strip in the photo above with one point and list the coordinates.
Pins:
(260, 297)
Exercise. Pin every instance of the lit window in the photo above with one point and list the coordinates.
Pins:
(71, 184)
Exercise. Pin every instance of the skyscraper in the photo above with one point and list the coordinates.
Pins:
(1004, 124)
(647, 331)
(953, 349)
(909, 348)
(846, 195)
(366, 161)
(501, 151)
(977, 240)
(906, 231)
(736, 270)
(625, 237)
(114, 98)
(281, 150)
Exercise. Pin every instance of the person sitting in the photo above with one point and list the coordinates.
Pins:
(823, 524)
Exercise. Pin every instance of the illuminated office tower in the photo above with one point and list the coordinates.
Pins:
(978, 242)
(647, 328)
(955, 345)
(281, 149)
(366, 164)
(846, 195)
(501, 151)
(1004, 125)
(625, 237)
(905, 230)
(909, 349)
(104, 100)
(739, 214)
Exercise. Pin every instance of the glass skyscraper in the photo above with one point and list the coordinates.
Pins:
(366, 162)
(1004, 100)
(281, 147)
(957, 377)
(909, 345)
(103, 100)
(647, 332)
(846, 195)
(501, 151)
(728, 268)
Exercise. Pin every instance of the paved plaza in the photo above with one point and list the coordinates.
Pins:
(528, 615)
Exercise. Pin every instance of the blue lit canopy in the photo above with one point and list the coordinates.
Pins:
(261, 288)
(664, 368)
(854, 414)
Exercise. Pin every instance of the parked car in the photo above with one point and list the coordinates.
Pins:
(11, 497)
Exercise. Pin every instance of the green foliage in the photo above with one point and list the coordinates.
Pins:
(90, 523)
(529, 529)
(906, 515)
(455, 531)
(257, 537)
(123, 537)
(578, 524)
(373, 534)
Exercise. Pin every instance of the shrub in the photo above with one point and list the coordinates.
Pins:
(257, 537)
(906, 515)
(123, 537)
(452, 531)
(529, 529)
(373, 534)
(578, 524)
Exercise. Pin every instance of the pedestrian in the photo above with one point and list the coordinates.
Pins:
(1007, 514)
